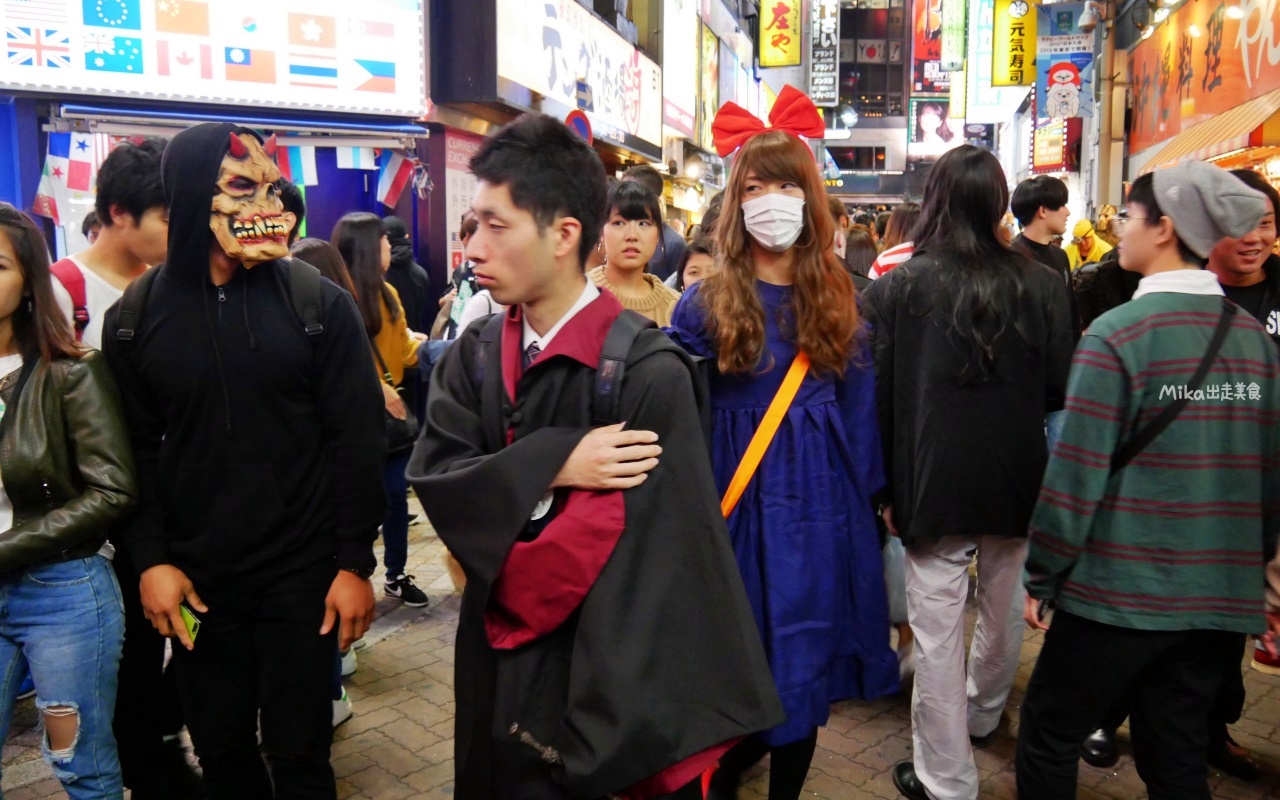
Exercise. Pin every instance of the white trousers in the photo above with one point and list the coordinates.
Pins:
(945, 708)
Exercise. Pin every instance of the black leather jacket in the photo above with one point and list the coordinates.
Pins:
(66, 462)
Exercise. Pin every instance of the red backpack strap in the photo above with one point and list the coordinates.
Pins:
(72, 279)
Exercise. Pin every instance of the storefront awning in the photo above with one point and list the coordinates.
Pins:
(1246, 125)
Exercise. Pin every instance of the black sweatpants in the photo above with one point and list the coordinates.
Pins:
(259, 650)
(147, 708)
(1171, 678)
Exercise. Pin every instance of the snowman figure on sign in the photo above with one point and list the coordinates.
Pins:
(1062, 98)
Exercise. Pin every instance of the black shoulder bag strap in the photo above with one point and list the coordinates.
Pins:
(1154, 428)
(607, 394)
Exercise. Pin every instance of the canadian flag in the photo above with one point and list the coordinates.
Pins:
(179, 59)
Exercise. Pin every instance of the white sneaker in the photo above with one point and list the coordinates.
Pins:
(349, 662)
(342, 710)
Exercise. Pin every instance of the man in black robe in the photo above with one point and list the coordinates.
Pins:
(605, 645)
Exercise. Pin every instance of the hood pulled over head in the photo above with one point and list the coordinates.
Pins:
(221, 183)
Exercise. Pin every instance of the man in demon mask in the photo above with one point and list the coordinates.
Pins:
(260, 452)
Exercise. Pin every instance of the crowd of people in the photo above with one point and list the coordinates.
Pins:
(693, 491)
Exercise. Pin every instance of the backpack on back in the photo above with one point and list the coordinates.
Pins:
(72, 279)
(606, 395)
(303, 286)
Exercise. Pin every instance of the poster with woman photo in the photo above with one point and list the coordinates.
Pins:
(931, 130)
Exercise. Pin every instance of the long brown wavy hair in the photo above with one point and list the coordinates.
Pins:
(822, 297)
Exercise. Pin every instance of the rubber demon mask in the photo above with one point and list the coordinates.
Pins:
(246, 218)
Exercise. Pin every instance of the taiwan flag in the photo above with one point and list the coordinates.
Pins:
(251, 66)
(382, 76)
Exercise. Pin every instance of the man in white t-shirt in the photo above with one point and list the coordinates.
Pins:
(134, 215)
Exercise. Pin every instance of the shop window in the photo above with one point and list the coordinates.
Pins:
(867, 159)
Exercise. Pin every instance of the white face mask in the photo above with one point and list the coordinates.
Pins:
(774, 220)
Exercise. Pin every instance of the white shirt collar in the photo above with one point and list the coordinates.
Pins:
(589, 293)
(1180, 281)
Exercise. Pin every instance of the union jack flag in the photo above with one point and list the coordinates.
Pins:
(38, 47)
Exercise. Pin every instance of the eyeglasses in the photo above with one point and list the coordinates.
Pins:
(1123, 216)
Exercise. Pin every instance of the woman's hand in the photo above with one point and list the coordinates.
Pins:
(449, 298)
(395, 405)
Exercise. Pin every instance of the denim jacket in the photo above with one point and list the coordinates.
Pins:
(66, 462)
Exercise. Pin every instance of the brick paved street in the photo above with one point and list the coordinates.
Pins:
(398, 744)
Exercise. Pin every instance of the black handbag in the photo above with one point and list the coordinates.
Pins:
(401, 433)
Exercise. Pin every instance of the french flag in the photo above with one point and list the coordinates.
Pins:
(395, 175)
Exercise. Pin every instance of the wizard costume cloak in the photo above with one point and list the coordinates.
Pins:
(804, 531)
(609, 650)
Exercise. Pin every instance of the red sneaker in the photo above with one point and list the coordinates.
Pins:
(1263, 661)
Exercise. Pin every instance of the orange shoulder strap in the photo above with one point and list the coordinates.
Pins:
(764, 434)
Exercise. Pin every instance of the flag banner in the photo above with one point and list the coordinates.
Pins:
(183, 59)
(38, 47)
(313, 70)
(46, 202)
(218, 52)
(382, 76)
(48, 12)
(356, 158)
(364, 27)
(250, 66)
(298, 164)
(122, 15)
(182, 16)
(107, 53)
(306, 30)
(873, 51)
(80, 163)
(394, 177)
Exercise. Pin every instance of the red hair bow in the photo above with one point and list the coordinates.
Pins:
(793, 113)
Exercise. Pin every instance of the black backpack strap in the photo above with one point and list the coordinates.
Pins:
(129, 310)
(491, 395)
(305, 289)
(607, 395)
(1154, 428)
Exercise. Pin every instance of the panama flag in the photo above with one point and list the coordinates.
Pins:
(382, 76)
(298, 164)
(395, 175)
(80, 162)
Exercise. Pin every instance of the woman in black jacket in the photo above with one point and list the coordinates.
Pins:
(972, 349)
(66, 475)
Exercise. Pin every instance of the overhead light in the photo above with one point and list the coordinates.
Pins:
(1146, 32)
(1161, 15)
(1235, 12)
(1193, 30)
(694, 166)
(848, 116)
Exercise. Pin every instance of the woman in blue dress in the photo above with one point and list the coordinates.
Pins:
(804, 529)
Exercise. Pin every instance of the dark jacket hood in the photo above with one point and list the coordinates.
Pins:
(189, 170)
(401, 245)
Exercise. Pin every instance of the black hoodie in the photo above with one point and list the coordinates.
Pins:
(259, 453)
(408, 277)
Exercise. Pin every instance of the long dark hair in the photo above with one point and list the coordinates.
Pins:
(965, 197)
(358, 238)
(859, 251)
(40, 328)
(326, 258)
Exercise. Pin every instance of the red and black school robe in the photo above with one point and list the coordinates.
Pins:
(607, 648)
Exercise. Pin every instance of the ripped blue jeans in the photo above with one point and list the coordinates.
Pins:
(67, 619)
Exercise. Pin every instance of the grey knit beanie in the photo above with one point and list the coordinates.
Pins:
(1207, 204)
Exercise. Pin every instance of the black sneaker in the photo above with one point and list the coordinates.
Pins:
(403, 590)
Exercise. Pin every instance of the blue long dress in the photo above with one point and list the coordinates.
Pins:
(804, 531)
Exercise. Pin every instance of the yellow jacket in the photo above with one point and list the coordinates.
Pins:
(1100, 249)
(397, 348)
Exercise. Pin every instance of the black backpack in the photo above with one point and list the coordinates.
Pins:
(303, 287)
(607, 394)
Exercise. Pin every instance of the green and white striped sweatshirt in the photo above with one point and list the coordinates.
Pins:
(1178, 539)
